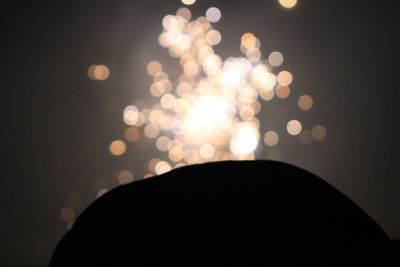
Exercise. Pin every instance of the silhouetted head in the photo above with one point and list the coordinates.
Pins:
(227, 212)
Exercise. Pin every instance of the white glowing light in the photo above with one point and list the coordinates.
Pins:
(245, 140)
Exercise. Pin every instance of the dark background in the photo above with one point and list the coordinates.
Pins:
(56, 123)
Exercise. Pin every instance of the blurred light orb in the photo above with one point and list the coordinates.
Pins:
(101, 192)
(67, 214)
(207, 151)
(188, 2)
(117, 147)
(162, 167)
(153, 68)
(319, 132)
(245, 140)
(282, 92)
(213, 14)
(184, 13)
(271, 138)
(131, 115)
(288, 3)
(98, 72)
(285, 78)
(213, 37)
(294, 127)
(132, 134)
(162, 143)
(275, 59)
(125, 177)
(305, 102)
(306, 137)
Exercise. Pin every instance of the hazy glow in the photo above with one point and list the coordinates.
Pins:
(271, 138)
(305, 102)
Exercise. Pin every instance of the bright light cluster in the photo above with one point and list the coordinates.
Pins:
(210, 113)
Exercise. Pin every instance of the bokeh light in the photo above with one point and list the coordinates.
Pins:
(271, 138)
(294, 127)
(213, 14)
(188, 2)
(288, 3)
(305, 102)
(117, 147)
(319, 132)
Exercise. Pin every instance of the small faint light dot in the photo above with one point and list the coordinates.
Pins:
(162, 143)
(67, 214)
(213, 37)
(117, 147)
(213, 14)
(153, 68)
(188, 2)
(162, 167)
(319, 132)
(305, 102)
(306, 137)
(288, 3)
(69, 225)
(101, 192)
(101, 72)
(125, 177)
(184, 13)
(294, 127)
(207, 151)
(282, 92)
(275, 59)
(132, 134)
(271, 138)
(285, 78)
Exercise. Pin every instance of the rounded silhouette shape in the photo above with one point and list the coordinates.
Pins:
(224, 212)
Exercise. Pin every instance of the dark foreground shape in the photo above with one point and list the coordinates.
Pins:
(226, 212)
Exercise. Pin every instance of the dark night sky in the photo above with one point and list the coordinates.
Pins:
(57, 123)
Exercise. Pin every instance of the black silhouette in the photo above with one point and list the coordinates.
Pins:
(225, 212)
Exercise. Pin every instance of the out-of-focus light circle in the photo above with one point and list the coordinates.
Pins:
(162, 143)
(125, 177)
(153, 68)
(294, 127)
(90, 72)
(207, 151)
(288, 3)
(162, 167)
(305, 102)
(176, 153)
(101, 72)
(132, 134)
(131, 115)
(248, 40)
(282, 91)
(184, 13)
(188, 2)
(213, 14)
(285, 78)
(306, 137)
(152, 164)
(319, 132)
(67, 214)
(213, 37)
(150, 131)
(101, 192)
(275, 59)
(117, 147)
(271, 138)
(168, 101)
